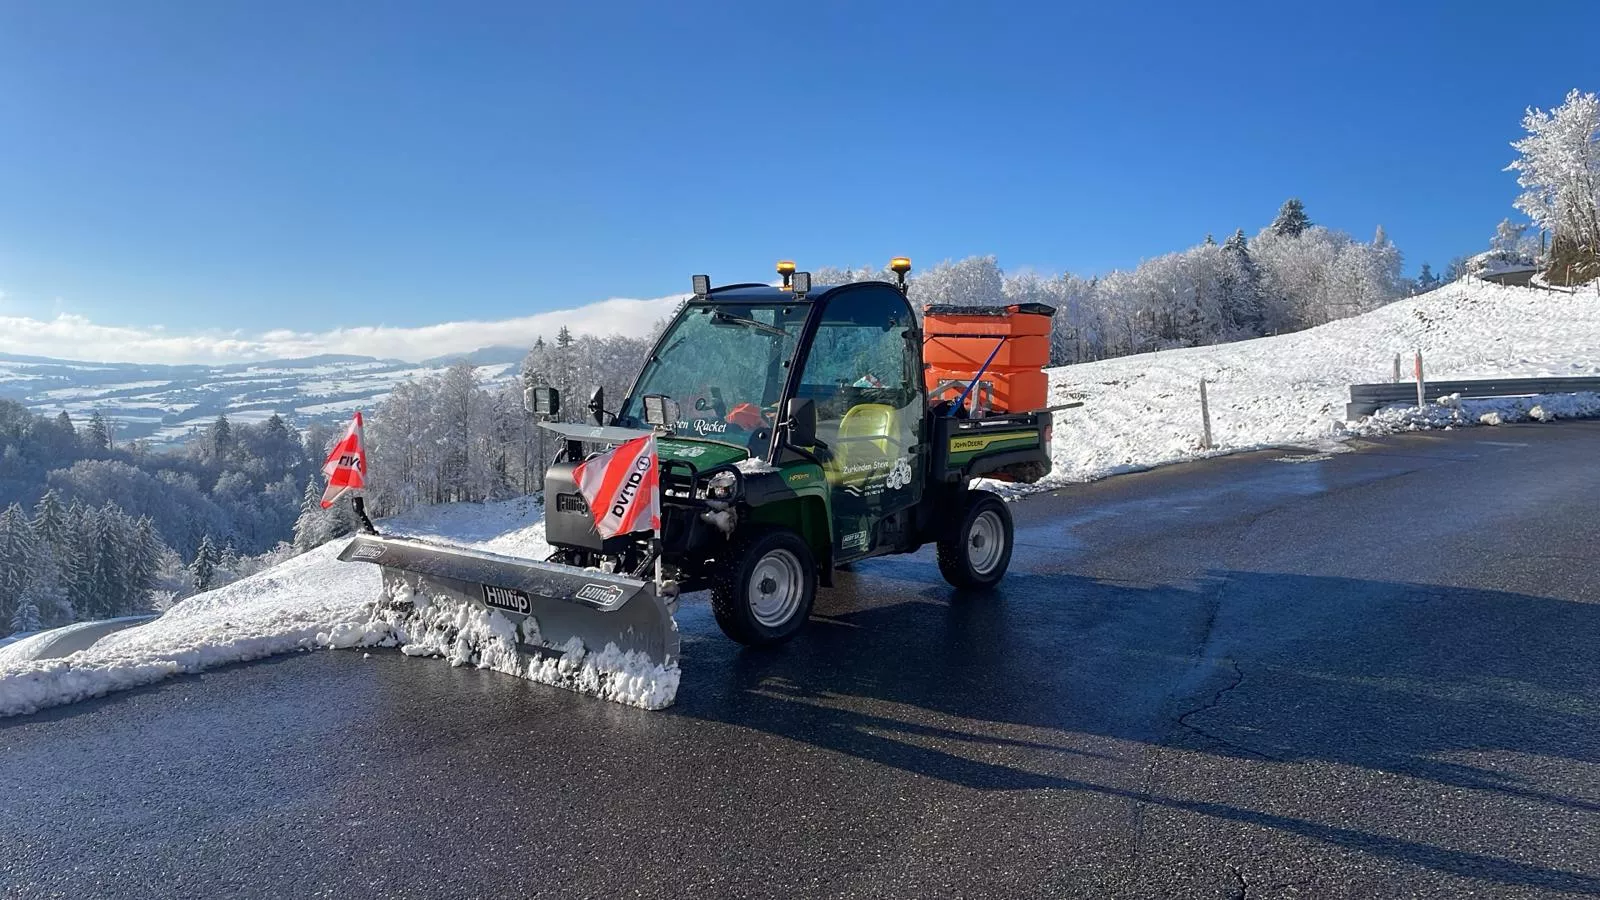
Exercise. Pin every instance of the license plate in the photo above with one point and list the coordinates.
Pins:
(507, 599)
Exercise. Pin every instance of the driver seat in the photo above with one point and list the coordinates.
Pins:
(866, 435)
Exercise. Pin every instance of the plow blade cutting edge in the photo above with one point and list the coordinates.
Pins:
(582, 629)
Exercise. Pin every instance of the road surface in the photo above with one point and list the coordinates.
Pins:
(1372, 674)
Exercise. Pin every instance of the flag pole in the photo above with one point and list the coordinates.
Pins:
(360, 503)
(357, 498)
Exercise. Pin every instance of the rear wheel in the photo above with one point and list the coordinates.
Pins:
(765, 592)
(977, 551)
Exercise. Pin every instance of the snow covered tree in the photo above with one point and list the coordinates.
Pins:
(97, 436)
(26, 617)
(460, 415)
(974, 281)
(145, 550)
(1558, 167)
(50, 520)
(204, 565)
(108, 549)
(18, 559)
(49, 591)
(77, 553)
(1292, 220)
(1243, 303)
(834, 275)
(1426, 280)
(220, 438)
(1507, 238)
(311, 529)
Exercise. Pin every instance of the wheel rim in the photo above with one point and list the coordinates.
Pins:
(986, 542)
(775, 589)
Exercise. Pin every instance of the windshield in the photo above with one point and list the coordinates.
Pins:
(725, 365)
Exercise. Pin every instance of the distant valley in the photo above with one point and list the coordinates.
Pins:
(166, 404)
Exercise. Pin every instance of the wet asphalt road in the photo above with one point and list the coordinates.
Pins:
(1274, 675)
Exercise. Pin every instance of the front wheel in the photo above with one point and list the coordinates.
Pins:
(977, 551)
(764, 593)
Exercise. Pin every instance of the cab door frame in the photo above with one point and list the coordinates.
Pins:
(857, 521)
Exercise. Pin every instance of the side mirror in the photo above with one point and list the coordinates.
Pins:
(801, 422)
(660, 410)
(542, 401)
(597, 405)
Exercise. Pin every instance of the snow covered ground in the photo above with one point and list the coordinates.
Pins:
(314, 602)
(1143, 411)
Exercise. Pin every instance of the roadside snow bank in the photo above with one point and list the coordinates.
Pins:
(315, 602)
(1454, 412)
(1143, 411)
(293, 606)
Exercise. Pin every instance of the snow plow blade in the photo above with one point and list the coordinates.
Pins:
(581, 629)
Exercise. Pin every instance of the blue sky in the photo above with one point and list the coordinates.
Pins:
(229, 165)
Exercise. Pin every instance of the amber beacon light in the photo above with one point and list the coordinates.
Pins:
(900, 265)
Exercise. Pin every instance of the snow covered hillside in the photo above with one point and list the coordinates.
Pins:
(314, 602)
(1141, 411)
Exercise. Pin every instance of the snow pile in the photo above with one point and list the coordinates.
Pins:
(467, 635)
(755, 466)
(1143, 411)
(315, 601)
(1454, 412)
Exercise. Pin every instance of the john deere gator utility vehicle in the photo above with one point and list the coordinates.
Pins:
(795, 434)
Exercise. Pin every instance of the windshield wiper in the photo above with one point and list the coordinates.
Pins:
(656, 357)
(720, 317)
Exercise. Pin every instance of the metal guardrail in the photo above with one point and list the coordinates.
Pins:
(1366, 399)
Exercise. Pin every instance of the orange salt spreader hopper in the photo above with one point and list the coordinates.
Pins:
(1014, 341)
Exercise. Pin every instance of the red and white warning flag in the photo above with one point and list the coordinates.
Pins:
(346, 468)
(621, 488)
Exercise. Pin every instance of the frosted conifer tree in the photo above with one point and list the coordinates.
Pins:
(204, 565)
(18, 558)
(109, 586)
(1292, 220)
(26, 617)
(97, 436)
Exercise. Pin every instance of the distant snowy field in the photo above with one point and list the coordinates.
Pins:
(169, 404)
(1143, 411)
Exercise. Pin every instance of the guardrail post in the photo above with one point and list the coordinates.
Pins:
(1397, 368)
(1205, 417)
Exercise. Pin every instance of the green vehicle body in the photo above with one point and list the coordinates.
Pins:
(844, 511)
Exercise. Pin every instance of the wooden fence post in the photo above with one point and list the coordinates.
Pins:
(1421, 401)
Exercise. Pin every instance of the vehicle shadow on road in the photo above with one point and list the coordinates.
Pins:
(1032, 686)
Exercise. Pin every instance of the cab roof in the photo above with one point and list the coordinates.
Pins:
(766, 293)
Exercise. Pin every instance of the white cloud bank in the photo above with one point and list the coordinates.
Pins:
(75, 337)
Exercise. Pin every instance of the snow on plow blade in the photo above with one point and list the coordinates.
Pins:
(581, 629)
